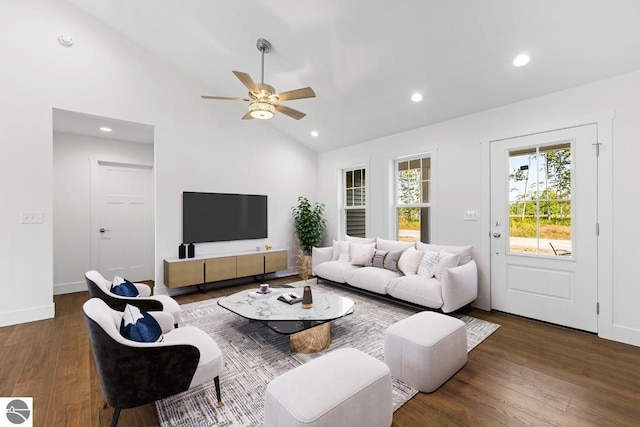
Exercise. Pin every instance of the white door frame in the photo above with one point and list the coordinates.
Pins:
(95, 170)
(604, 124)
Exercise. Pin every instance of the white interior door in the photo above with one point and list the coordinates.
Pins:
(122, 221)
(544, 226)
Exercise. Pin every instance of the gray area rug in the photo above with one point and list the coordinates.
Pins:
(254, 355)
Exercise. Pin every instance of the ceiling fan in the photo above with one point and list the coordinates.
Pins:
(263, 99)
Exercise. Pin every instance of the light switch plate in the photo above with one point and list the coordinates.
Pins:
(471, 215)
(32, 217)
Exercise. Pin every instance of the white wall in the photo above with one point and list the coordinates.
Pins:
(72, 201)
(198, 145)
(460, 149)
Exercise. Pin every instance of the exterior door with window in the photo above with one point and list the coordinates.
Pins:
(544, 226)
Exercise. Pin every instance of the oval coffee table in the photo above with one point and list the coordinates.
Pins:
(309, 329)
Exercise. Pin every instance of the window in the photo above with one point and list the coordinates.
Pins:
(354, 206)
(540, 200)
(413, 201)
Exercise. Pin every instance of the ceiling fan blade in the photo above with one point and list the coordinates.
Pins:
(290, 111)
(247, 116)
(224, 98)
(306, 92)
(246, 80)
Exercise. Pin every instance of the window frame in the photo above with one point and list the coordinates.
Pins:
(396, 192)
(344, 207)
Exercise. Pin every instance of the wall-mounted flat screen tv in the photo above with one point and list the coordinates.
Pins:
(217, 217)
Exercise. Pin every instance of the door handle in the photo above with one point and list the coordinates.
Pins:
(496, 235)
(102, 230)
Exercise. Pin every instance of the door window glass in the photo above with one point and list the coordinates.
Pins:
(540, 210)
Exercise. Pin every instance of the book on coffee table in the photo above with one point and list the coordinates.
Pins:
(290, 298)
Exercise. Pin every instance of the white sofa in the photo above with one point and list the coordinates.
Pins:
(448, 278)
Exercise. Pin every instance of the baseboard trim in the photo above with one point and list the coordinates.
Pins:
(27, 315)
(624, 334)
(69, 288)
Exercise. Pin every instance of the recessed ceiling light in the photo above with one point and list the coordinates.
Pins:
(416, 97)
(521, 60)
(314, 133)
(105, 129)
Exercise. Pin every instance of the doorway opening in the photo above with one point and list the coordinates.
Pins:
(78, 144)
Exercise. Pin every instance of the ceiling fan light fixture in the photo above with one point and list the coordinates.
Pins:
(261, 110)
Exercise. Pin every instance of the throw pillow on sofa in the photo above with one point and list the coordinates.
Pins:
(445, 261)
(409, 261)
(359, 253)
(376, 258)
(123, 287)
(427, 267)
(391, 260)
(383, 259)
(341, 251)
(341, 248)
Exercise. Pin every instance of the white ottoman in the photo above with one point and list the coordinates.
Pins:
(426, 349)
(343, 388)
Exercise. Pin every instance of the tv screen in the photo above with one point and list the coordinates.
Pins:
(216, 217)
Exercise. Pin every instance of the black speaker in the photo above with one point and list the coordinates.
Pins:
(191, 250)
(182, 251)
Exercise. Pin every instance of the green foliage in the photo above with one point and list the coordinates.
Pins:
(557, 228)
(409, 182)
(409, 218)
(550, 193)
(309, 223)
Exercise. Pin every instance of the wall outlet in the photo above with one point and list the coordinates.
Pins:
(470, 215)
(31, 217)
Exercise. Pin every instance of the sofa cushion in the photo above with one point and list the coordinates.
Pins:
(334, 270)
(409, 261)
(392, 245)
(359, 239)
(445, 262)
(371, 278)
(463, 251)
(416, 289)
(360, 253)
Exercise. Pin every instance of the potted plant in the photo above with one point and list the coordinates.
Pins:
(309, 227)
(309, 224)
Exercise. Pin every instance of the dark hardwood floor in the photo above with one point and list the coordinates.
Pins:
(526, 373)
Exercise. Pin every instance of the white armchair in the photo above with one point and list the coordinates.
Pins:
(136, 373)
(99, 287)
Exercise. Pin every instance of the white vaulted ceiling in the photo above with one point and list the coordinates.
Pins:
(364, 58)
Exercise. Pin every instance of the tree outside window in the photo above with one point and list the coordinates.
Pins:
(540, 211)
(413, 204)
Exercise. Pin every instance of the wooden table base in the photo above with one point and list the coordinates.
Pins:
(311, 340)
